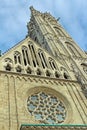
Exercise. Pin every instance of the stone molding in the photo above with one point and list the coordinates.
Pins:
(53, 127)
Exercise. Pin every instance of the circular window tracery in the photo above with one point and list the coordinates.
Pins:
(46, 108)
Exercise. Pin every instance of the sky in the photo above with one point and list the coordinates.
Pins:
(15, 14)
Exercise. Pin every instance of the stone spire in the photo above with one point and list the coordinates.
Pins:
(34, 11)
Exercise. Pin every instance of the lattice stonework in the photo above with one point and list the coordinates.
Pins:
(46, 108)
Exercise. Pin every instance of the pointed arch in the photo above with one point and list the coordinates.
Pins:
(59, 31)
(17, 57)
(42, 58)
(25, 55)
(52, 63)
(73, 49)
(8, 60)
(33, 54)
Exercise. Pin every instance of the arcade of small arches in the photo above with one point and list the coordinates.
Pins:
(30, 62)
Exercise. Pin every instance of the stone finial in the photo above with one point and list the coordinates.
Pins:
(31, 8)
(34, 11)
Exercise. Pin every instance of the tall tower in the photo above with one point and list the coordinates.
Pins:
(43, 79)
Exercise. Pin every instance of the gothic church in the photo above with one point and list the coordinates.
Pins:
(43, 79)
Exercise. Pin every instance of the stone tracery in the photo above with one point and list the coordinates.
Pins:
(46, 108)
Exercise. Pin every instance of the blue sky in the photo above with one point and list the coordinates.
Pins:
(14, 15)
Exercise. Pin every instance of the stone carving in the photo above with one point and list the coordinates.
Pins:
(8, 64)
(46, 108)
(80, 79)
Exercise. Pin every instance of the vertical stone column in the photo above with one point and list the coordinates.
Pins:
(79, 114)
(4, 103)
(13, 107)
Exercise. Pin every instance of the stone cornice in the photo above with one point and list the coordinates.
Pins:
(37, 76)
(52, 127)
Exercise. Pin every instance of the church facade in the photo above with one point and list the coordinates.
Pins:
(43, 79)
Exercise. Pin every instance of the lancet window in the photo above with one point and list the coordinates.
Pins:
(73, 50)
(59, 31)
(52, 64)
(42, 58)
(33, 55)
(17, 57)
(25, 55)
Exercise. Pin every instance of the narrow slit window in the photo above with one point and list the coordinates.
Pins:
(33, 55)
(25, 63)
(15, 59)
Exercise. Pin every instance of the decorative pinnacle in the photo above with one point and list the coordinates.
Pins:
(58, 19)
(31, 8)
(33, 11)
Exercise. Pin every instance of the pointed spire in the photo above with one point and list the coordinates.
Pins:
(33, 11)
(31, 8)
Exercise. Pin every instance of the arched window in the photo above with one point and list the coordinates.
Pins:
(42, 58)
(59, 31)
(46, 107)
(17, 57)
(35, 38)
(73, 50)
(52, 64)
(8, 60)
(33, 55)
(25, 55)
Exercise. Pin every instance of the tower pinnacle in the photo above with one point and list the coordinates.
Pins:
(34, 11)
(31, 8)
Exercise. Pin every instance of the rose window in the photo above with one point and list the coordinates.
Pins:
(46, 108)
